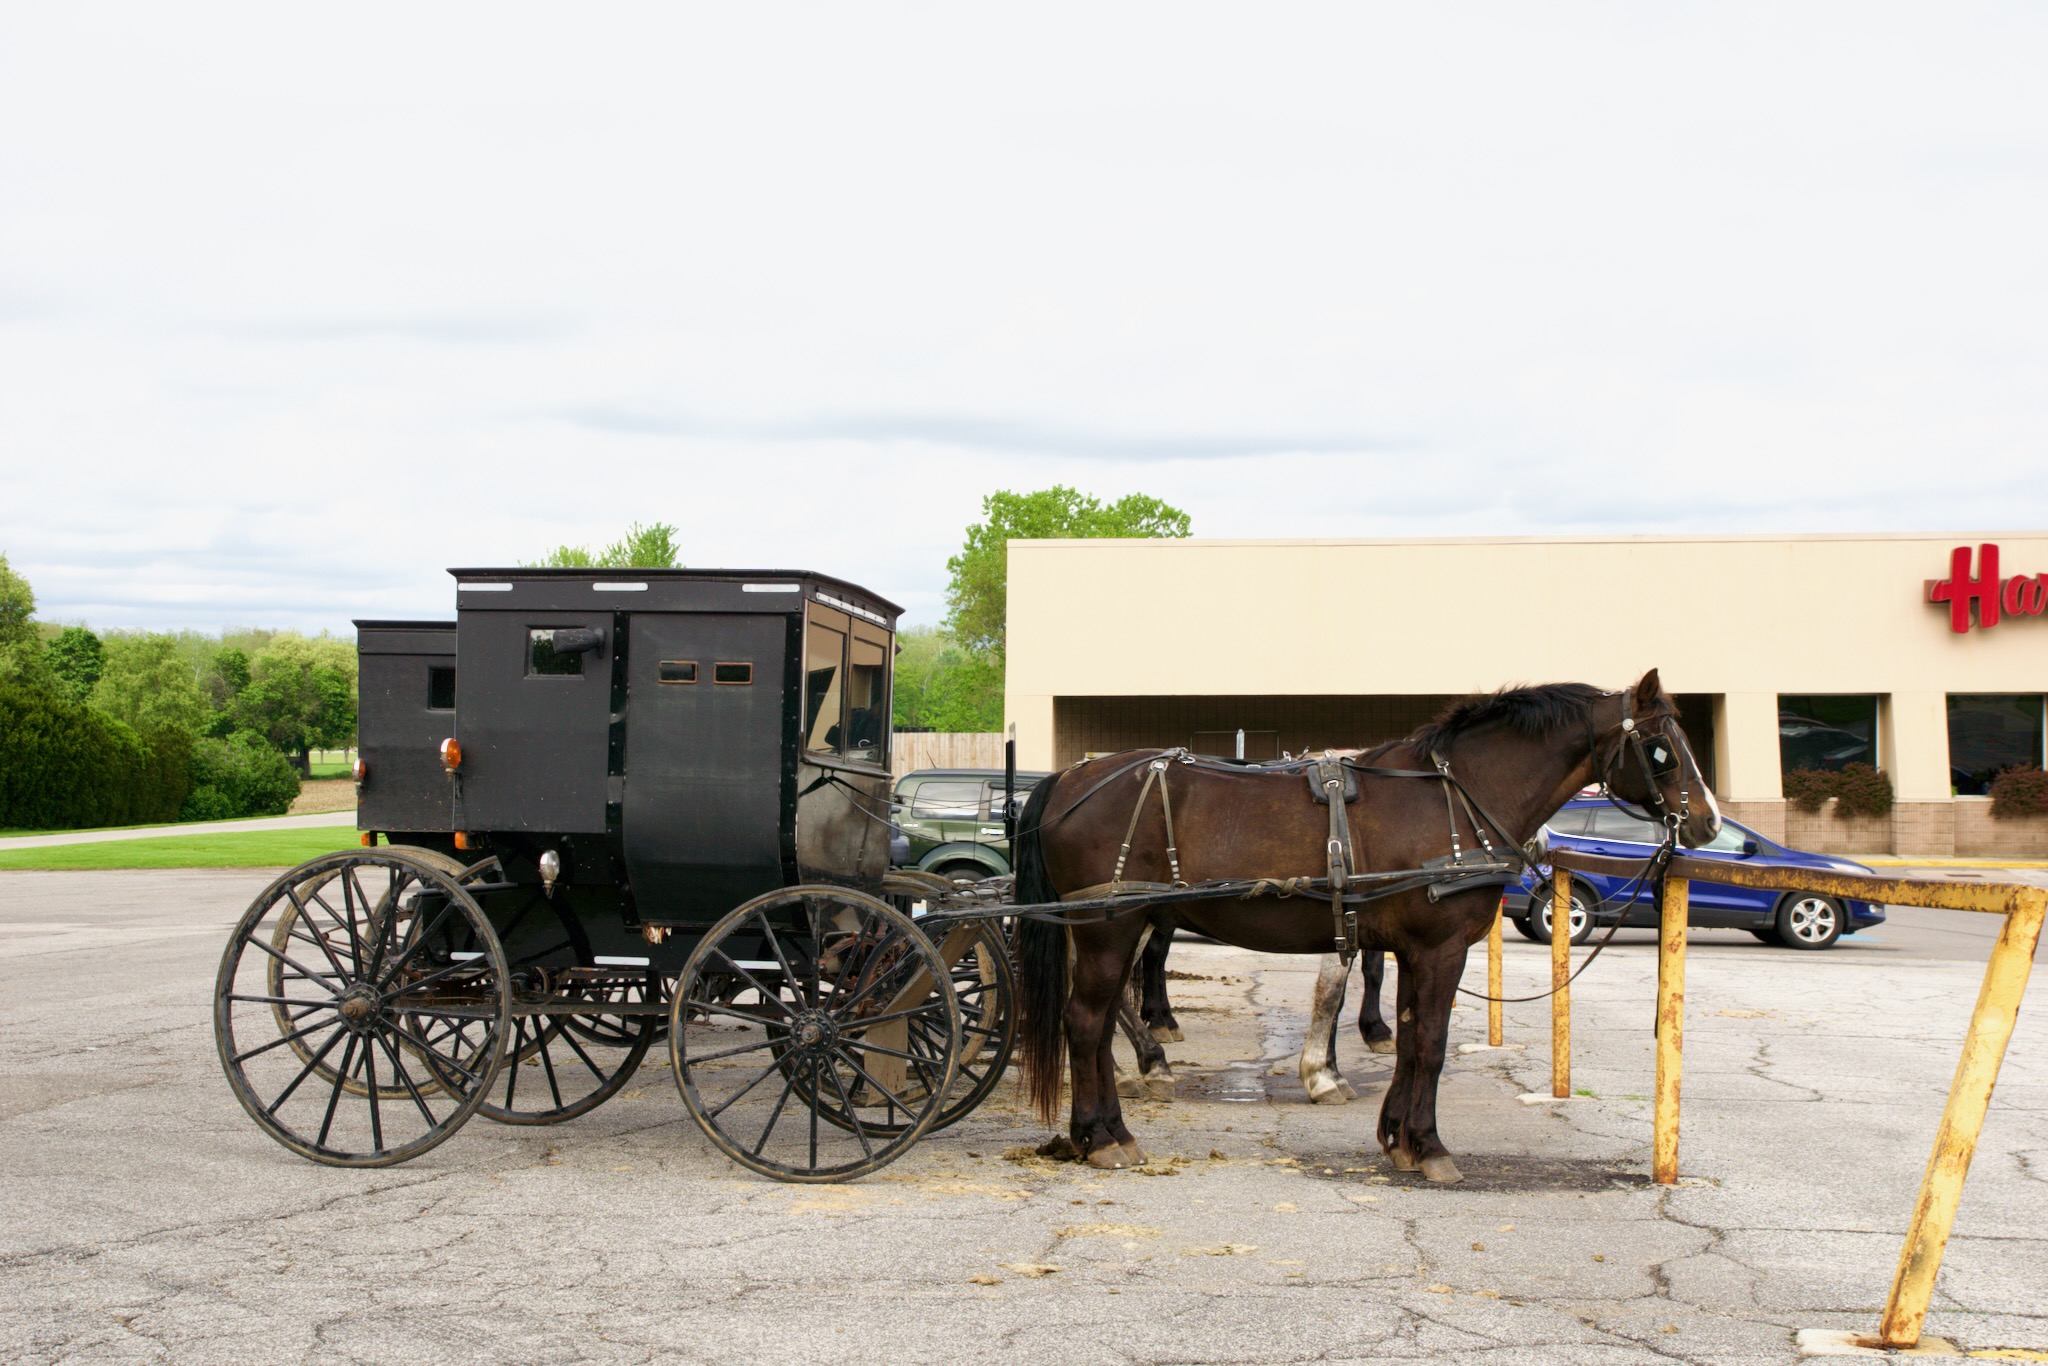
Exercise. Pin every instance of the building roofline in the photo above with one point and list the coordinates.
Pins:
(1677, 538)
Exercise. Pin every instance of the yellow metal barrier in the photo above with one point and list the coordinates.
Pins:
(1493, 978)
(1969, 1097)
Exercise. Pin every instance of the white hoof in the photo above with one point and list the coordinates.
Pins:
(1158, 1086)
(1327, 1090)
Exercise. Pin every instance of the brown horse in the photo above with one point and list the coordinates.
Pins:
(1519, 754)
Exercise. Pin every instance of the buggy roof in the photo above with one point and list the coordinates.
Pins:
(750, 590)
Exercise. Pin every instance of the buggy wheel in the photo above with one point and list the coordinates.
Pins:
(385, 1020)
(837, 1049)
(986, 988)
(559, 1066)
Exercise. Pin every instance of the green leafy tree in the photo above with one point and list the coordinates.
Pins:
(145, 682)
(642, 547)
(977, 598)
(76, 658)
(222, 677)
(21, 645)
(942, 687)
(301, 695)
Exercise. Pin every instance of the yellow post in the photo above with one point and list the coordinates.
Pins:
(1493, 988)
(1560, 984)
(1670, 1027)
(1955, 1142)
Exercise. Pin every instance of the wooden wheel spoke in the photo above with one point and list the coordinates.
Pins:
(759, 1077)
(251, 940)
(312, 935)
(376, 1113)
(771, 997)
(437, 1059)
(340, 1032)
(577, 1048)
(547, 1065)
(867, 1149)
(782, 959)
(732, 1052)
(292, 1037)
(341, 1075)
(333, 1003)
(417, 939)
(788, 1087)
(405, 1080)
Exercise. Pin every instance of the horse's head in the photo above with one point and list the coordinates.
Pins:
(1645, 760)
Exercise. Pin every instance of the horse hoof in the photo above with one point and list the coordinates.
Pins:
(1156, 1088)
(1442, 1170)
(1322, 1091)
(1345, 1087)
(1383, 1046)
(1166, 1034)
(1128, 1086)
(1112, 1158)
(1135, 1153)
(1403, 1160)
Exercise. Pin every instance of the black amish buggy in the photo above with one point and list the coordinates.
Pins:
(600, 810)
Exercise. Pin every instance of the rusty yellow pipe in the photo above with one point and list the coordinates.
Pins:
(1560, 984)
(1493, 1006)
(1670, 1027)
(1955, 1142)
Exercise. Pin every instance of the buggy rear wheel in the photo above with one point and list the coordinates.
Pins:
(815, 1034)
(389, 997)
(560, 1065)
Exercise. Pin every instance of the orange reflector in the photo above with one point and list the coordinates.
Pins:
(451, 754)
(369, 839)
(461, 836)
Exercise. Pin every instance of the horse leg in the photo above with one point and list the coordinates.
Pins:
(1378, 1037)
(1156, 1008)
(1393, 1129)
(1101, 966)
(1154, 1077)
(1437, 973)
(1318, 1068)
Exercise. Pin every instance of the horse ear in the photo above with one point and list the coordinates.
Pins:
(1648, 689)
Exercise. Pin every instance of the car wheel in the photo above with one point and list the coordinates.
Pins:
(1766, 934)
(961, 872)
(1527, 930)
(1808, 921)
(1539, 919)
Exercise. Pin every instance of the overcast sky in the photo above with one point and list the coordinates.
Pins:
(299, 307)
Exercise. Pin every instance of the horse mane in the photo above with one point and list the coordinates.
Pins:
(1536, 711)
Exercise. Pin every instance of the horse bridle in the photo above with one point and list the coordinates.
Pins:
(1657, 754)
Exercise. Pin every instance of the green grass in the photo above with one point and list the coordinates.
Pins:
(331, 770)
(253, 849)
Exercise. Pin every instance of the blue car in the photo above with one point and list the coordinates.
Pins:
(1592, 825)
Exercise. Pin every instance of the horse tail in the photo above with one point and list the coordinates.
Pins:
(1041, 951)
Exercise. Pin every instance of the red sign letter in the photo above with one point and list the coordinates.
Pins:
(1959, 590)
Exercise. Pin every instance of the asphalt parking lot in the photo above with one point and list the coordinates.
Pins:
(144, 1218)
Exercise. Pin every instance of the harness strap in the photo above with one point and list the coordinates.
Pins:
(1342, 913)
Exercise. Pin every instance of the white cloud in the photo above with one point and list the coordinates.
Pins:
(295, 312)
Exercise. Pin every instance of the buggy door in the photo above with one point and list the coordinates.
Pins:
(704, 761)
(534, 723)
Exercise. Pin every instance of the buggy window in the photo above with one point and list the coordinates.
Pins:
(440, 688)
(824, 691)
(947, 801)
(544, 659)
(867, 697)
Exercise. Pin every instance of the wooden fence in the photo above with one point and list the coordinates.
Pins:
(946, 749)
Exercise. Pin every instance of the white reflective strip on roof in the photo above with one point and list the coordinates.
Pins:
(771, 588)
(485, 587)
(620, 587)
(845, 606)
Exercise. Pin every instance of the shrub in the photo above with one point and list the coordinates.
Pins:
(241, 775)
(1858, 790)
(2019, 792)
(63, 766)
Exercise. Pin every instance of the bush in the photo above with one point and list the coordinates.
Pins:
(65, 766)
(241, 775)
(1858, 790)
(2019, 792)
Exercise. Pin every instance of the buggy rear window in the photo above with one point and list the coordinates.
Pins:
(727, 671)
(542, 658)
(441, 688)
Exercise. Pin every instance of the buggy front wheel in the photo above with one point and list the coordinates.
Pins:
(815, 1034)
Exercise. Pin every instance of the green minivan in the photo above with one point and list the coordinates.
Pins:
(949, 821)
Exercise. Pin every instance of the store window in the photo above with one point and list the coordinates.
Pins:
(1826, 731)
(1989, 733)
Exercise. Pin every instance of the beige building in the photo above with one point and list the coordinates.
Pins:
(1800, 652)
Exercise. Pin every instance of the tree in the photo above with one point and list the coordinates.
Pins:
(146, 682)
(642, 547)
(301, 695)
(76, 658)
(977, 598)
(21, 646)
(222, 678)
(940, 686)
